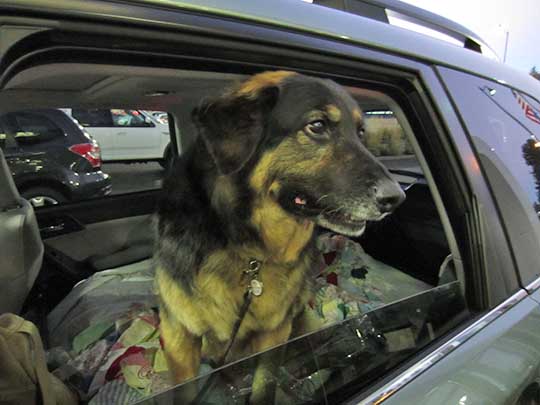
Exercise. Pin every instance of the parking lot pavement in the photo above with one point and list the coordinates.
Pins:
(132, 177)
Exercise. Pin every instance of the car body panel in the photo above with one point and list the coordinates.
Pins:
(289, 15)
(52, 165)
(42, 169)
(535, 294)
(493, 367)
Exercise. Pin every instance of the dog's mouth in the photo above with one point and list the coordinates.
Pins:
(343, 223)
(318, 210)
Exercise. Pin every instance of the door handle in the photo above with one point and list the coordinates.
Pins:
(53, 228)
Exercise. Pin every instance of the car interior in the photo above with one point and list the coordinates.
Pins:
(56, 249)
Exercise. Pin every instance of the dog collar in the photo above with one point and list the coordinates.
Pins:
(255, 285)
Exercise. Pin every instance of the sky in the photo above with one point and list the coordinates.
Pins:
(491, 19)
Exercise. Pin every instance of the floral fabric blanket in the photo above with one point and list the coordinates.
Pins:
(119, 358)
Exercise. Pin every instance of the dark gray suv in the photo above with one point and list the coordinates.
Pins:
(51, 158)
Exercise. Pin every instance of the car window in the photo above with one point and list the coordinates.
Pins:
(93, 118)
(505, 126)
(376, 285)
(34, 128)
(130, 118)
(383, 134)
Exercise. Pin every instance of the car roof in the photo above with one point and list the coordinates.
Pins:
(300, 16)
(351, 28)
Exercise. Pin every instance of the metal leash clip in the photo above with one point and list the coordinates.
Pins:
(255, 286)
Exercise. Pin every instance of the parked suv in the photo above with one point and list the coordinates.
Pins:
(51, 158)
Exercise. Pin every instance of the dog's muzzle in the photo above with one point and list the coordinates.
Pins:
(388, 195)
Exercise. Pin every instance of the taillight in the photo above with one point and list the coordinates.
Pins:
(89, 151)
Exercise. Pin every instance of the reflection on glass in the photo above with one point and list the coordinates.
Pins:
(531, 153)
(531, 147)
(338, 361)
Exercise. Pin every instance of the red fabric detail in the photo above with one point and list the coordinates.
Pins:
(331, 278)
(152, 319)
(114, 369)
(161, 342)
(329, 257)
(117, 346)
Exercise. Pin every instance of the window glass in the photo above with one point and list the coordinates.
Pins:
(505, 126)
(130, 118)
(384, 136)
(338, 362)
(34, 128)
(93, 118)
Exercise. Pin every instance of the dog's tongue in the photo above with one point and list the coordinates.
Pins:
(300, 201)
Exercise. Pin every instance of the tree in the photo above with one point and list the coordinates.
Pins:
(535, 73)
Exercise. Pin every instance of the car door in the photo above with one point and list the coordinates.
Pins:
(384, 352)
(498, 364)
(503, 122)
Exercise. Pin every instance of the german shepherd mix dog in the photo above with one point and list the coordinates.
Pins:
(276, 156)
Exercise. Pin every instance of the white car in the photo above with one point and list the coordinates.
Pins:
(126, 135)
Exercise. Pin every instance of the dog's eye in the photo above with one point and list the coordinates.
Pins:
(316, 128)
(361, 132)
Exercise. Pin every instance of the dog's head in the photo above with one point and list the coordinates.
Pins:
(297, 141)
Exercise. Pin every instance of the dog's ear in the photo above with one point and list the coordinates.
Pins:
(232, 125)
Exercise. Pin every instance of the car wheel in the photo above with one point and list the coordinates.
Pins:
(43, 196)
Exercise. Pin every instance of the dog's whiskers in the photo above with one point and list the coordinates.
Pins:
(335, 210)
(322, 198)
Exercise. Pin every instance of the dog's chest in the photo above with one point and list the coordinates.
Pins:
(285, 292)
(282, 289)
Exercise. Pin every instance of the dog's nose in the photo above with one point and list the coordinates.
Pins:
(388, 195)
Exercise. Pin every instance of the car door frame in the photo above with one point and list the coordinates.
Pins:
(307, 53)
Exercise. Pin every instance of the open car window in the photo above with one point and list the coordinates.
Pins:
(376, 298)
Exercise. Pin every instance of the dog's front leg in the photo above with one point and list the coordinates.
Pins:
(182, 350)
(264, 380)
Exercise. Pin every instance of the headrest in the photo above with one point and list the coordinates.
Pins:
(9, 196)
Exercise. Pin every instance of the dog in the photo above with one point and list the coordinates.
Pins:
(277, 156)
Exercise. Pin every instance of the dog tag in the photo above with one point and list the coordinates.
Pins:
(256, 287)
